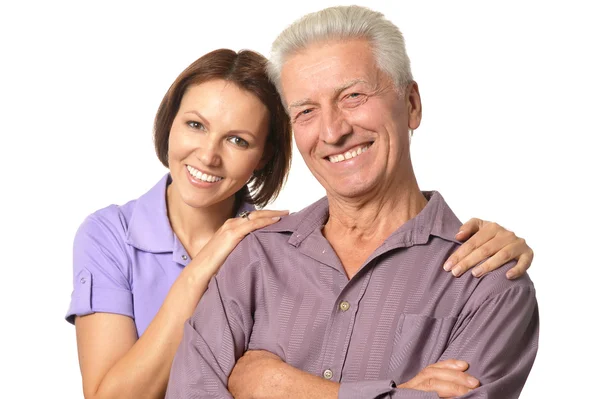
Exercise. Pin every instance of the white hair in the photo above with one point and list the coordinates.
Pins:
(344, 22)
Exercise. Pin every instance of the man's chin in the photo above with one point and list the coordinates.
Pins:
(351, 191)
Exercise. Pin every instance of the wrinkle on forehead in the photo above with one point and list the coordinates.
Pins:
(334, 71)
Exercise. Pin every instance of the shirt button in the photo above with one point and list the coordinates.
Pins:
(344, 306)
(184, 257)
(328, 374)
(82, 281)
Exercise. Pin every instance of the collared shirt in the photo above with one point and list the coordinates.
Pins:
(125, 259)
(284, 290)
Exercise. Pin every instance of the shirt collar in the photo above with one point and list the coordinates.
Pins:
(435, 219)
(149, 227)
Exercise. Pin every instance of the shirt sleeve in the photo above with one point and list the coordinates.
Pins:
(499, 340)
(219, 331)
(380, 390)
(100, 269)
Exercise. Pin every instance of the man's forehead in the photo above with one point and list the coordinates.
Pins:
(317, 69)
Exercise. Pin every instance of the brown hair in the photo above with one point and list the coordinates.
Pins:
(246, 69)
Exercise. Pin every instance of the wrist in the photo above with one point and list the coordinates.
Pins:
(196, 276)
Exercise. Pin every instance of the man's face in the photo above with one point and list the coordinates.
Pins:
(350, 123)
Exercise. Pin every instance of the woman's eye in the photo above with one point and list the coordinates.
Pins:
(240, 142)
(196, 125)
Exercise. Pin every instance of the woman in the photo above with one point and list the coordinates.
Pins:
(141, 268)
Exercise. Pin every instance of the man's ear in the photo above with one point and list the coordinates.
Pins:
(414, 106)
(266, 157)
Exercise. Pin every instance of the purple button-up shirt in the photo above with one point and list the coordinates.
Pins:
(284, 290)
(125, 259)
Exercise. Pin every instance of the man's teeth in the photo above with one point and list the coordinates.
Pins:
(203, 176)
(348, 154)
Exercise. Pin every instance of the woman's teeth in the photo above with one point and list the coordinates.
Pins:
(203, 176)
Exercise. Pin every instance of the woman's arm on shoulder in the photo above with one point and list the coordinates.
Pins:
(113, 361)
(488, 240)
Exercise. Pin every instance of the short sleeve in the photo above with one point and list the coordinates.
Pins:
(101, 267)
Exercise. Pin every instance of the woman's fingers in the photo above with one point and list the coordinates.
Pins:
(481, 236)
(493, 244)
(266, 213)
(468, 229)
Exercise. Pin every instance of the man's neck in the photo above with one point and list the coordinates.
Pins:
(357, 227)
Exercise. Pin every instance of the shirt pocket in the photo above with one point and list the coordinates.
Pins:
(419, 341)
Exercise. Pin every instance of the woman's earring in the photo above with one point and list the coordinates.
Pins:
(410, 134)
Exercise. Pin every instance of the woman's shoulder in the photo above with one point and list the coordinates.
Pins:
(113, 218)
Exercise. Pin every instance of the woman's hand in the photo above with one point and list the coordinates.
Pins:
(218, 248)
(448, 379)
(492, 241)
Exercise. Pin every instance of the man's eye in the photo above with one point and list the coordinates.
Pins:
(304, 113)
(240, 142)
(354, 96)
(196, 125)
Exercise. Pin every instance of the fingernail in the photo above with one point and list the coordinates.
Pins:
(456, 272)
(477, 272)
(461, 364)
(459, 233)
(448, 265)
(472, 381)
(276, 218)
(510, 275)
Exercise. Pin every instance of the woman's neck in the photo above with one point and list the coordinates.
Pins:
(195, 226)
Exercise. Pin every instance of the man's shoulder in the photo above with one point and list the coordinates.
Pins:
(495, 284)
(307, 219)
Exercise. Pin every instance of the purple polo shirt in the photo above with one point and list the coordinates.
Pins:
(283, 289)
(125, 259)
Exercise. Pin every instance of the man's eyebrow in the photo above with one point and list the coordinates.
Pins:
(348, 85)
(300, 103)
(337, 91)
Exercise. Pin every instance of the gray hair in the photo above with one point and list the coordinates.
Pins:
(344, 22)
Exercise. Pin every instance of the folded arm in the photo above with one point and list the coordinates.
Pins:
(497, 339)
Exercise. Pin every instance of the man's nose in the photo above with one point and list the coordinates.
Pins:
(334, 127)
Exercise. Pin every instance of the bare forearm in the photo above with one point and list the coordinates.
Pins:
(301, 385)
(261, 375)
(144, 370)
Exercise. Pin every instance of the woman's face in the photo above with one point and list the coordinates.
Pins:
(216, 141)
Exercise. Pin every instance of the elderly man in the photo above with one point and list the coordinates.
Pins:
(348, 297)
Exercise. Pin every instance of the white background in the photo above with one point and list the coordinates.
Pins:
(510, 93)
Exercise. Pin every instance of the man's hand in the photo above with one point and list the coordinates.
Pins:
(448, 379)
(488, 240)
(261, 374)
